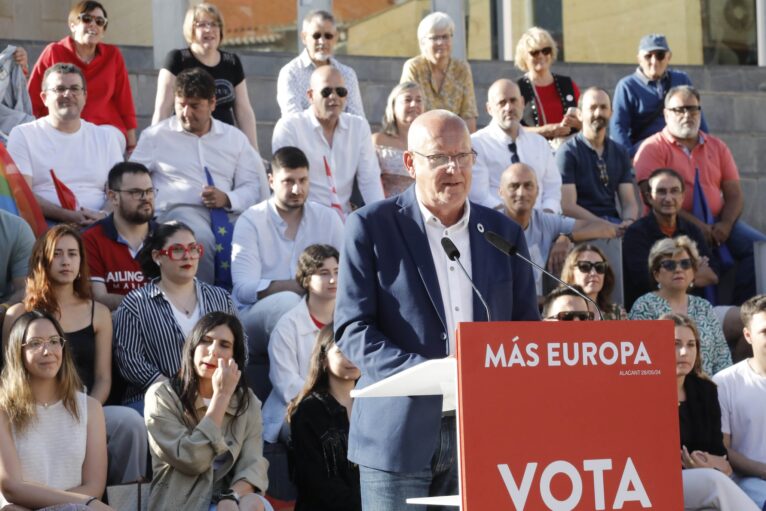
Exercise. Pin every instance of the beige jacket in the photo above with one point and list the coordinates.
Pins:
(183, 456)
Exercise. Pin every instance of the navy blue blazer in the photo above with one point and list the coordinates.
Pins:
(389, 316)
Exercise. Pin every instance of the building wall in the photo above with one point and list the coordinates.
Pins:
(391, 33)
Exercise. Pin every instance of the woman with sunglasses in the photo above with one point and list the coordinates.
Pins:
(446, 82)
(53, 439)
(706, 470)
(59, 284)
(319, 421)
(587, 266)
(109, 99)
(205, 426)
(672, 264)
(151, 323)
(404, 104)
(550, 100)
(203, 31)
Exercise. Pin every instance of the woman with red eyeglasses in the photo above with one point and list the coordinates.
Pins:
(587, 266)
(672, 265)
(152, 322)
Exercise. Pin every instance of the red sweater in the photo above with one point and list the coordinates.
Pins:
(109, 98)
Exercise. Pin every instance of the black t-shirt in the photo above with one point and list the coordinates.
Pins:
(228, 73)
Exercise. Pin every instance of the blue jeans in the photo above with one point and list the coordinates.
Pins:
(389, 491)
(740, 245)
(755, 488)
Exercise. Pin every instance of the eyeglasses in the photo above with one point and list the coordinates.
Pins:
(658, 55)
(603, 175)
(685, 109)
(547, 51)
(439, 38)
(207, 25)
(54, 342)
(61, 89)
(177, 252)
(572, 316)
(587, 266)
(89, 18)
(137, 193)
(342, 92)
(671, 264)
(329, 36)
(437, 161)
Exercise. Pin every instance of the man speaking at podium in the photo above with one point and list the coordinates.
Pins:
(401, 298)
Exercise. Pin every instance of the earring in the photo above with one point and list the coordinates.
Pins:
(659, 286)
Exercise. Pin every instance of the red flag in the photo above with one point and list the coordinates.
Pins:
(334, 200)
(16, 196)
(65, 195)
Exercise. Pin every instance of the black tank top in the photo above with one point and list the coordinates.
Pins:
(82, 347)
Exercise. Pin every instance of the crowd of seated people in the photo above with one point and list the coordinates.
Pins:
(181, 285)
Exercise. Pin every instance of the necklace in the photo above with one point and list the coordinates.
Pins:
(187, 310)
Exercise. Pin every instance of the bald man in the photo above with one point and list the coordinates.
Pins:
(400, 299)
(504, 142)
(549, 235)
(338, 145)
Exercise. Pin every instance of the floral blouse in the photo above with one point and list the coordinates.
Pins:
(456, 93)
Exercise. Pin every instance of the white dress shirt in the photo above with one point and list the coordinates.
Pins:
(294, 81)
(261, 252)
(491, 142)
(352, 154)
(455, 288)
(177, 160)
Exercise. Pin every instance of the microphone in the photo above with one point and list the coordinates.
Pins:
(454, 255)
(508, 249)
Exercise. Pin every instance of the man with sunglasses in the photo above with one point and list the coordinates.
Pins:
(319, 36)
(639, 98)
(705, 159)
(112, 244)
(564, 304)
(595, 170)
(338, 145)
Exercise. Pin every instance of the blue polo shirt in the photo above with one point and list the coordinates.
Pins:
(636, 100)
(578, 163)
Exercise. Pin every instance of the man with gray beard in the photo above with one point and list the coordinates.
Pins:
(595, 170)
(698, 156)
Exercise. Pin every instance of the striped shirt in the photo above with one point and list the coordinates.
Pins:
(148, 339)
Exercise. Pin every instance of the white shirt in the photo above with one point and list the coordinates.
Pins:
(261, 253)
(352, 154)
(491, 142)
(742, 396)
(178, 159)
(81, 160)
(455, 288)
(290, 347)
(294, 81)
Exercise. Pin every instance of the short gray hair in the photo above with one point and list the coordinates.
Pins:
(435, 21)
(686, 90)
(317, 13)
(64, 68)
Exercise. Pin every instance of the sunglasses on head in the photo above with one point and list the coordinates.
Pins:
(329, 36)
(342, 92)
(659, 55)
(547, 51)
(587, 266)
(603, 175)
(572, 316)
(671, 264)
(88, 18)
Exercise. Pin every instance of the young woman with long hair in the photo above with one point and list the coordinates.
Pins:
(319, 420)
(52, 435)
(205, 425)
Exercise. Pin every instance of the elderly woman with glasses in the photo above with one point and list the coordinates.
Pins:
(672, 265)
(550, 99)
(203, 31)
(109, 99)
(587, 266)
(447, 83)
(152, 322)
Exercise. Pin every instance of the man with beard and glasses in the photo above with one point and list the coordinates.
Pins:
(112, 244)
(64, 158)
(503, 143)
(319, 37)
(595, 170)
(682, 147)
(268, 239)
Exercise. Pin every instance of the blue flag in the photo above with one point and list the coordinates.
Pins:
(223, 231)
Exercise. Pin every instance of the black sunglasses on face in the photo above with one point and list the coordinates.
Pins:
(659, 55)
(671, 265)
(547, 51)
(342, 92)
(572, 316)
(88, 18)
(587, 266)
(329, 36)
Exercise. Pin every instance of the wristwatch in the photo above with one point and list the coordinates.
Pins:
(229, 495)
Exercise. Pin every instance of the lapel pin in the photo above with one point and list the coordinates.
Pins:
(480, 228)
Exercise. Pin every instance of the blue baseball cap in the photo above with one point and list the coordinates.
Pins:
(653, 42)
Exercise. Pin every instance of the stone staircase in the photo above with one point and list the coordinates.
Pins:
(734, 100)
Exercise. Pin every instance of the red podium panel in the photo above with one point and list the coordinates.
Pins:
(568, 416)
